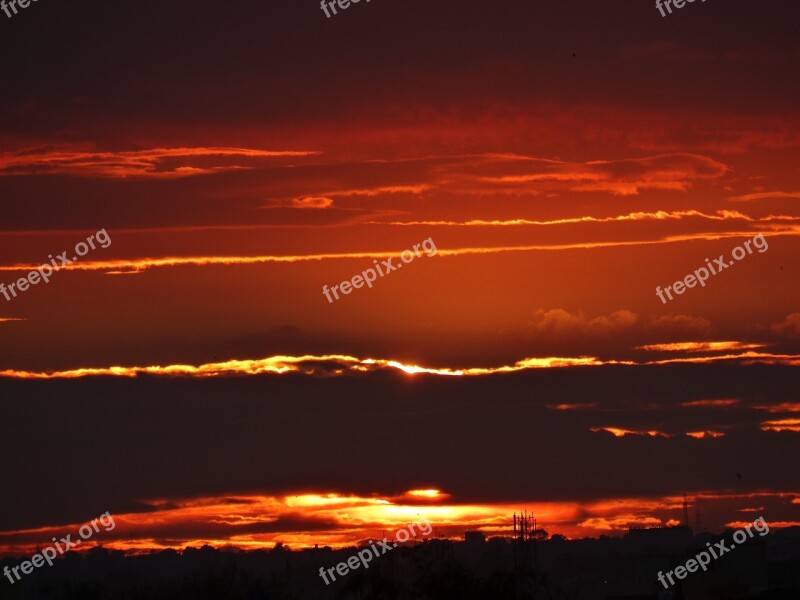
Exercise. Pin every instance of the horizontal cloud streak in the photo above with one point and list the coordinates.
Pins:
(661, 215)
(338, 364)
(764, 196)
(134, 163)
(140, 264)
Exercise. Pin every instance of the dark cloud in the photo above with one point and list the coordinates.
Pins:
(74, 445)
(89, 64)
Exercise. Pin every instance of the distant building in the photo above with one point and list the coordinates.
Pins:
(660, 539)
(474, 538)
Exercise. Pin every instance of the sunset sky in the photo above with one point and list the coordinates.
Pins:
(564, 158)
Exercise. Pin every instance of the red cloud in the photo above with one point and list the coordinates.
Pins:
(157, 163)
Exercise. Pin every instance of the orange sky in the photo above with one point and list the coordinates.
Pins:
(563, 174)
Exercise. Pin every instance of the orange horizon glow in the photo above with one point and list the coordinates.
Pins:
(355, 519)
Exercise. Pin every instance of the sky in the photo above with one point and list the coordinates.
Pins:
(559, 166)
